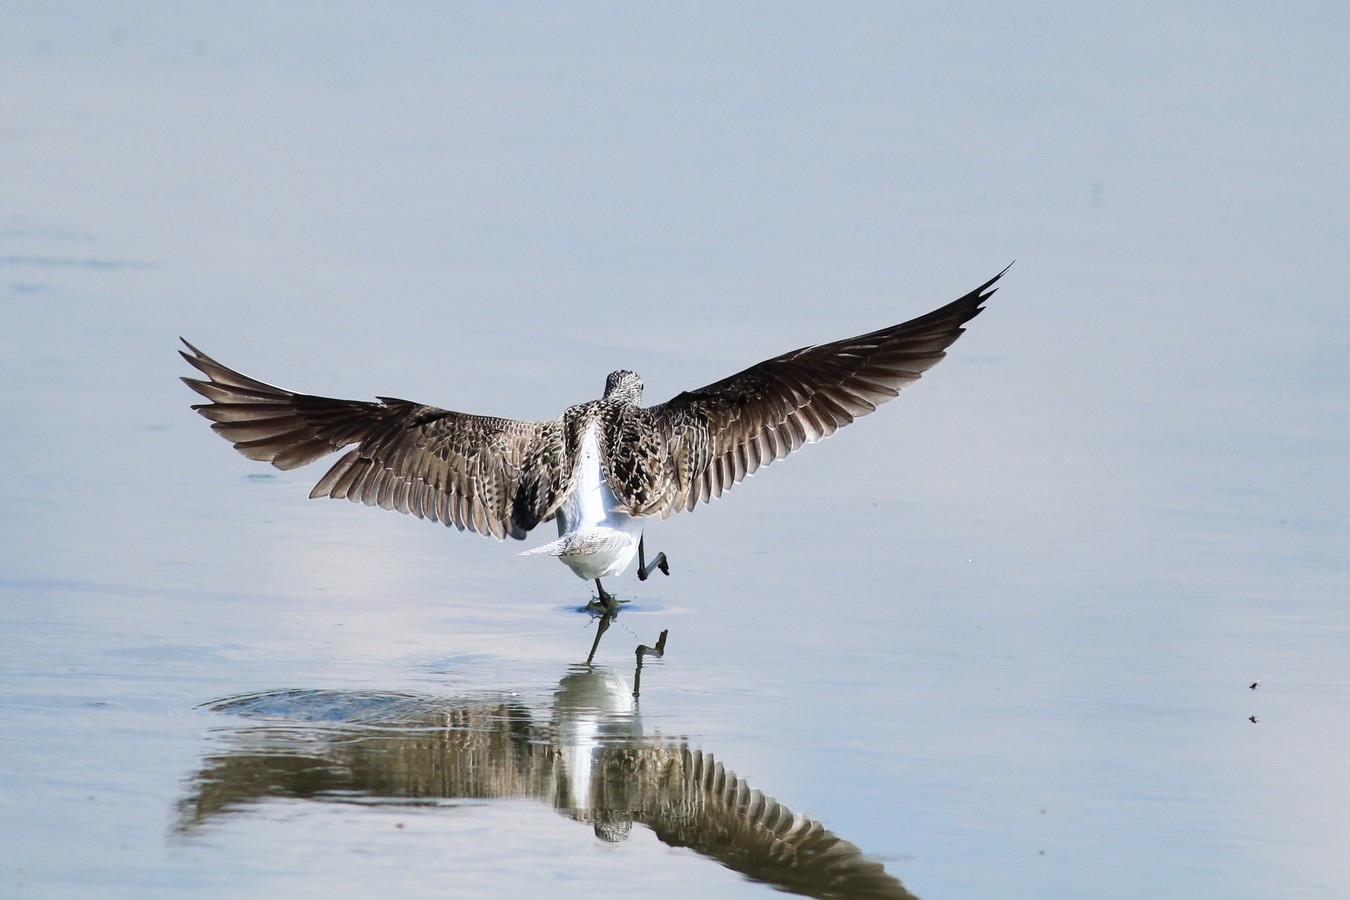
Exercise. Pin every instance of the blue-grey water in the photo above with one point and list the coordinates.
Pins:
(996, 640)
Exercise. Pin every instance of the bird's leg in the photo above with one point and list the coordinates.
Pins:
(608, 607)
(645, 570)
(608, 604)
(599, 633)
(643, 650)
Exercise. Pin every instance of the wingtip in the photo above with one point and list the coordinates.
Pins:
(990, 283)
(986, 290)
(197, 359)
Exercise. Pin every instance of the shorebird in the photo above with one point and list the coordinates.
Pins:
(601, 468)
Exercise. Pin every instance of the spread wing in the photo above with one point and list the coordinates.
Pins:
(707, 440)
(492, 476)
(697, 803)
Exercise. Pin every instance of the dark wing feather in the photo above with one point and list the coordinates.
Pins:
(492, 476)
(691, 800)
(712, 438)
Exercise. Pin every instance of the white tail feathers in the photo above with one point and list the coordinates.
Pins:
(585, 542)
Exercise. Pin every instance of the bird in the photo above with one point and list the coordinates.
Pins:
(599, 470)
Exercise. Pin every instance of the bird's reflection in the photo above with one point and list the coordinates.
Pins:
(587, 757)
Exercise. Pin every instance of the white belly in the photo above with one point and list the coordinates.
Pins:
(595, 539)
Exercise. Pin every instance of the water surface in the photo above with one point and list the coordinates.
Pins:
(997, 640)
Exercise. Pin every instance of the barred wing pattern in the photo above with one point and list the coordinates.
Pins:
(491, 476)
(712, 438)
(713, 811)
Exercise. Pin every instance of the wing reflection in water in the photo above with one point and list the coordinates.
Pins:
(587, 757)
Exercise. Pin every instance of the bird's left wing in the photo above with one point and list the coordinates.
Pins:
(704, 441)
(488, 475)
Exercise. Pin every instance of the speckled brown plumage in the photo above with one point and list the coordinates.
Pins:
(502, 477)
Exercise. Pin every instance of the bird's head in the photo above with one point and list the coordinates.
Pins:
(623, 385)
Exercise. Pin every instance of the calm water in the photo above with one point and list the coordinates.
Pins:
(995, 641)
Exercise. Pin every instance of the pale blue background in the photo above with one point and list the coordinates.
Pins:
(999, 636)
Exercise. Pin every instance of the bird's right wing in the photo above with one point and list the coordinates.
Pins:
(488, 475)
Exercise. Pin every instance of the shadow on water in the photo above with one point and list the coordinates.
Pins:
(586, 756)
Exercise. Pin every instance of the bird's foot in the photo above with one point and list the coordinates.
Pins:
(606, 604)
(605, 610)
(659, 563)
(658, 650)
(645, 569)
